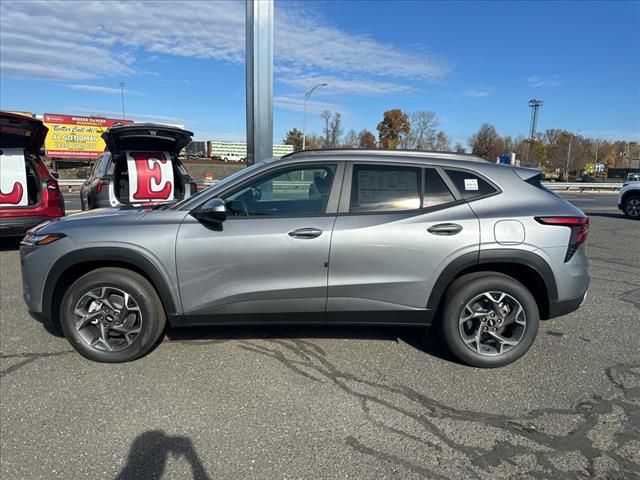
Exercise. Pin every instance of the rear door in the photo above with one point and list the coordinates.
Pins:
(398, 227)
(270, 255)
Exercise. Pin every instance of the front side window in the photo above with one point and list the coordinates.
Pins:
(299, 191)
(384, 188)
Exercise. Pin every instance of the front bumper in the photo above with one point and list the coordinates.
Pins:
(17, 227)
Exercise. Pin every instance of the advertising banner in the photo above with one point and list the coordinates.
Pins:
(73, 136)
(150, 176)
(13, 178)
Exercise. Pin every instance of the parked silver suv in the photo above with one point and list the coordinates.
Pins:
(336, 236)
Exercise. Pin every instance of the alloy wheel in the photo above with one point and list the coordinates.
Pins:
(633, 207)
(107, 319)
(492, 323)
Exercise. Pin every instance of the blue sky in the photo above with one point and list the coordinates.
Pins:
(469, 62)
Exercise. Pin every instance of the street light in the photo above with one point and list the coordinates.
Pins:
(304, 118)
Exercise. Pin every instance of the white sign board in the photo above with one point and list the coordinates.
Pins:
(13, 178)
(150, 177)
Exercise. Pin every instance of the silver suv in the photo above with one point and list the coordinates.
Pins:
(337, 236)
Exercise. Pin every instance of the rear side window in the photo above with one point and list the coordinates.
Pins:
(384, 188)
(435, 190)
(470, 185)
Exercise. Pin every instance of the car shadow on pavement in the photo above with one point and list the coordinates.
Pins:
(426, 340)
(150, 451)
(9, 244)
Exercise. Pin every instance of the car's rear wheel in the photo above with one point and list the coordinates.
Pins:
(489, 319)
(112, 315)
(631, 207)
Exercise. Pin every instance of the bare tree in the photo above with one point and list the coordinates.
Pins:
(458, 148)
(423, 134)
(351, 139)
(326, 115)
(335, 130)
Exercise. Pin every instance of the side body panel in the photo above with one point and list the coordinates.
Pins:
(386, 262)
(252, 265)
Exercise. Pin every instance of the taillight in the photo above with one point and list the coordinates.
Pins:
(101, 183)
(579, 229)
(52, 184)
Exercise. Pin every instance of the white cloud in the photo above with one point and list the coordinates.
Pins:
(296, 104)
(98, 39)
(478, 92)
(336, 85)
(101, 89)
(537, 81)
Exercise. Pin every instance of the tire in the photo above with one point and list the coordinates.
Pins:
(631, 207)
(490, 354)
(97, 296)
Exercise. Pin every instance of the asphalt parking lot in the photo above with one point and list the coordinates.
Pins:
(328, 402)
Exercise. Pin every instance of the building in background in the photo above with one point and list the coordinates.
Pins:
(237, 151)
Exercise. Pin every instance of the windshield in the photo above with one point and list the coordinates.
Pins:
(221, 184)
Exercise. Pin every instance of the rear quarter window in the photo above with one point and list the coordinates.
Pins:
(469, 184)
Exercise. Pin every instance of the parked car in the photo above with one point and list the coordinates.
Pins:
(138, 158)
(336, 236)
(29, 194)
(629, 199)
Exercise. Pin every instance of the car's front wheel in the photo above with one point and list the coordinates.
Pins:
(631, 207)
(489, 319)
(112, 315)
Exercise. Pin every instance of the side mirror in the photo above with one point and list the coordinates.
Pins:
(55, 175)
(213, 210)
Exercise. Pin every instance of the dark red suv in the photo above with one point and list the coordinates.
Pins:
(29, 194)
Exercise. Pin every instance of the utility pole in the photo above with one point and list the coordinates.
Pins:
(259, 58)
(122, 97)
(569, 156)
(535, 106)
(304, 118)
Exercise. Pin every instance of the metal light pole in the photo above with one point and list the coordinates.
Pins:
(122, 97)
(304, 118)
(259, 51)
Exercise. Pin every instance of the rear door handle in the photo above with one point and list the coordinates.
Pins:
(305, 233)
(445, 229)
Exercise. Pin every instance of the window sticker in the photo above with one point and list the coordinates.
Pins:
(150, 176)
(13, 178)
(471, 184)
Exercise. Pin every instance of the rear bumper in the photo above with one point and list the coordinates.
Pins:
(15, 227)
(557, 309)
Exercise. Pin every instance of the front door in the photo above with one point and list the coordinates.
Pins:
(398, 227)
(270, 255)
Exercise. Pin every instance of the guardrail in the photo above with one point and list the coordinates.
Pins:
(550, 185)
(580, 186)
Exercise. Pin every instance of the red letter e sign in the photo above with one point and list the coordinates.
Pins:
(150, 176)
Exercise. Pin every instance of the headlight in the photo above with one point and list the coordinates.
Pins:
(34, 238)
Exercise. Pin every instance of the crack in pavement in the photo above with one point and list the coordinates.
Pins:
(28, 358)
(598, 437)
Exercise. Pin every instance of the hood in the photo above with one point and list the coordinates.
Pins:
(146, 137)
(20, 131)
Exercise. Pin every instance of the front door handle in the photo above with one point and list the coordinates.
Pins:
(445, 229)
(305, 233)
